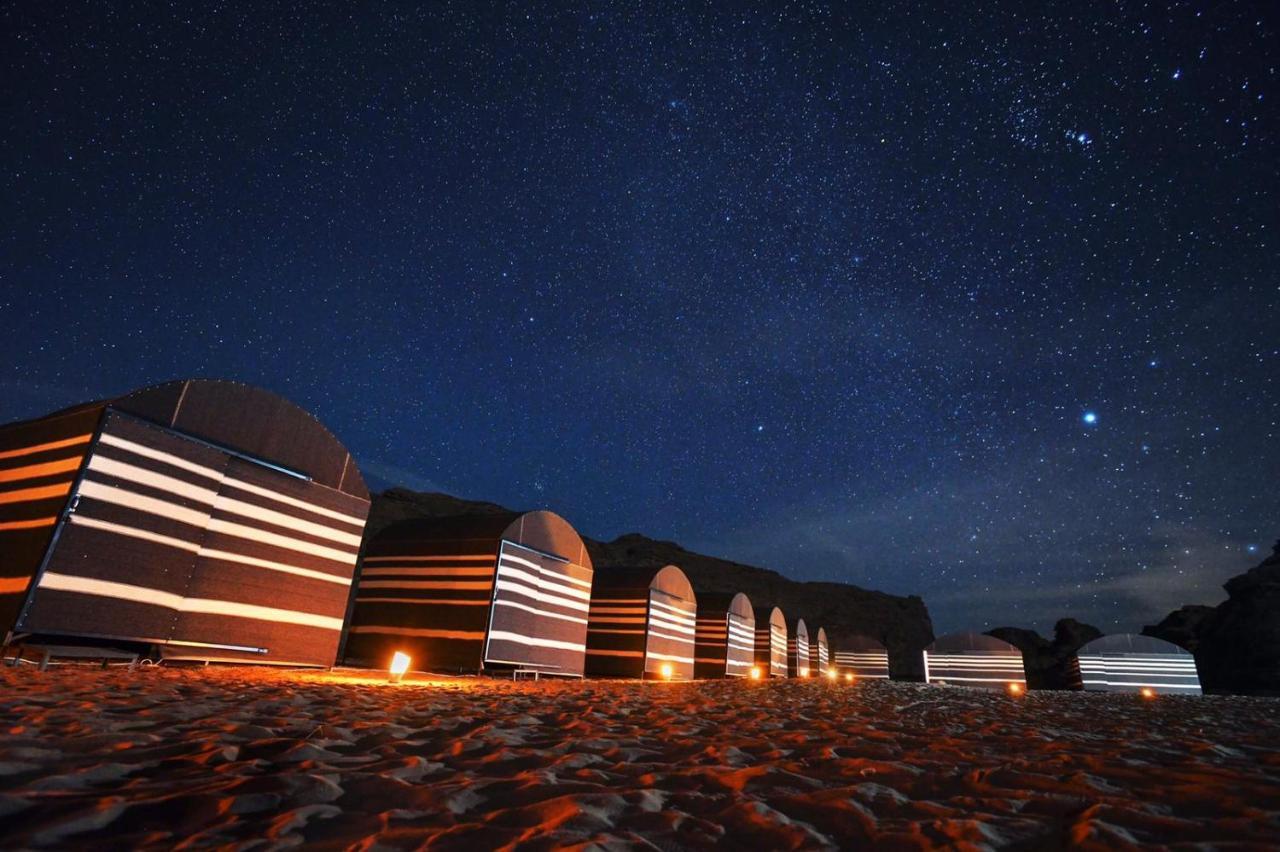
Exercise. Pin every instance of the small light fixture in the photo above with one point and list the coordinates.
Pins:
(666, 671)
(756, 674)
(848, 676)
(399, 665)
(1147, 693)
(1015, 688)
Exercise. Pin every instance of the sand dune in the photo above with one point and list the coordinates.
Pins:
(268, 759)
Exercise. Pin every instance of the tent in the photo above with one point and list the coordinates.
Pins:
(725, 636)
(641, 621)
(974, 659)
(1128, 662)
(819, 654)
(474, 592)
(771, 644)
(863, 657)
(797, 648)
(210, 519)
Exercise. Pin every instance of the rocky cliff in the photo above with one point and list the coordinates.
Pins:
(1237, 643)
(901, 623)
(1050, 664)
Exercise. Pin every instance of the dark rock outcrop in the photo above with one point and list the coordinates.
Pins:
(1236, 643)
(901, 623)
(1183, 626)
(1050, 665)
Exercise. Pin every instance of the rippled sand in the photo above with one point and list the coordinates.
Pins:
(255, 757)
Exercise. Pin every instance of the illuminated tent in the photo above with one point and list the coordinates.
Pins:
(1127, 662)
(771, 644)
(640, 621)
(472, 592)
(973, 659)
(797, 648)
(726, 636)
(863, 657)
(819, 654)
(211, 519)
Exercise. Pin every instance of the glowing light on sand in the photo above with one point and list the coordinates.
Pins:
(832, 674)
(848, 676)
(1147, 692)
(399, 665)
(666, 671)
(1015, 688)
(756, 674)
(804, 672)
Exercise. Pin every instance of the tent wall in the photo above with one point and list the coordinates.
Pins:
(863, 657)
(771, 644)
(473, 592)
(725, 636)
(175, 542)
(40, 460)
(819, 654)
(798, 649)
(1128, 663)
(972, 659)
(639, 621)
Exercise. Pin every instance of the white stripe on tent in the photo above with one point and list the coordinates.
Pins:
(169, 600)
(536, 611)
(418, 632)
(506, 636)
(270, 565)
(322, 511)
(133, 473)
(132, 532)
(426, 572)
(140, 502)
(508, 585)
(168, 458)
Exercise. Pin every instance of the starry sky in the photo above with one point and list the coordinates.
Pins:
(979, 306)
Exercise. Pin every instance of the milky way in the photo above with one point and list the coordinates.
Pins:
(975, 305)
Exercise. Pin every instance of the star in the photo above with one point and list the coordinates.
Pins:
(1090, 418)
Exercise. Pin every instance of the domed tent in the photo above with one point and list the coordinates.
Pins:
(797, 648)
(640, 621)
(771, 644)
(1127, 662)
(819, 654)
(974, 659)
(725, 636)
(474, 592)
(210, 519)
(863, 657)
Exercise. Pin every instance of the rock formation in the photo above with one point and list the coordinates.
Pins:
(1050, 665)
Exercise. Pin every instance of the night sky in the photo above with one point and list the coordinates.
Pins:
(977, 305)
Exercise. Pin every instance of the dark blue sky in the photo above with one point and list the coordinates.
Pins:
(831, 292)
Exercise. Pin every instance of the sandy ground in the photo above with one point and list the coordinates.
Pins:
(266, 759)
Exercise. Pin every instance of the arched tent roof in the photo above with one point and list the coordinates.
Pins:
(711, 603)
(669, 579)
(540, 530)
(251, 420)
(957, 643)
(1132, 643)
(776, 618)
(860, 643)
(797, 627)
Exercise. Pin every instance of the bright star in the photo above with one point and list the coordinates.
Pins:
(760, 427)
(1090, 418)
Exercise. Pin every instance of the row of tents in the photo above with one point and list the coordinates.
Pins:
(210, 520)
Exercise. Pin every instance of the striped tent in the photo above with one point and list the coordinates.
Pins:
(863, 657)
(640, 621)
(1128, 662)
(474, 592)
(974, 659)
(819, 654)
(726, 636)
(797, 648)
(210, 519)
(771, 644)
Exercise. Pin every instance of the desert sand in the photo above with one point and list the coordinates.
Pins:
(259, 758)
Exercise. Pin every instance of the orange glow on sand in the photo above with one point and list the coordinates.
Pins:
(1147, 692)
(1015, 688)
(848, 676)
(756, 674)
(666, 671)
(399, 665)
(832, 674)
